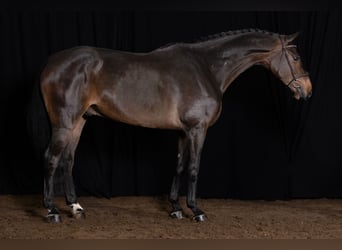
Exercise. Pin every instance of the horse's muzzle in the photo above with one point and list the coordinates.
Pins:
(302, 88)
(307, 96)
(302, 94)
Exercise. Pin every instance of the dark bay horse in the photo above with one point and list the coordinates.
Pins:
(179, 87)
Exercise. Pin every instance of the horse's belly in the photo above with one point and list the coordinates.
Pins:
(159, 115)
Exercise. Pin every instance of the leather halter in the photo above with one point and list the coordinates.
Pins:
(294, 76)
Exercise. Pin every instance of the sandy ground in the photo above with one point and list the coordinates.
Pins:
(22, 217)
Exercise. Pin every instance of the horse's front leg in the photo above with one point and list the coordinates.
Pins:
(196, 140)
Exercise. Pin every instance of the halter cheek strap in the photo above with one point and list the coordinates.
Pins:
(294, 76)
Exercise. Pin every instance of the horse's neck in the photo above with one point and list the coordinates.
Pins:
(228, 62)
(231, 68)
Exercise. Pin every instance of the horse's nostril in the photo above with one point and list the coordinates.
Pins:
(308, 96)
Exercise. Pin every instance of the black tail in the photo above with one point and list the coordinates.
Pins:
(37, 122)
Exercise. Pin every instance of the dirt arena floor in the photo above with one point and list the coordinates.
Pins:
(22, 217)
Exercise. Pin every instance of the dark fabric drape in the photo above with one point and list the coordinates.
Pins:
(265, 145)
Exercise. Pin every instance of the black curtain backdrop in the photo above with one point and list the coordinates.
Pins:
(265, 145)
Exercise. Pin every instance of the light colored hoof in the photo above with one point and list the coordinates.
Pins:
(79, 215)
(177, 214)
(200, 217)
(53, 218)
(77, 211)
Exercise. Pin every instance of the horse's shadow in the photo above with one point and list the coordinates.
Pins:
(33, 207)
(165, 206)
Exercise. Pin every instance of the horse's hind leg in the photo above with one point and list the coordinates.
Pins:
(52, 160)
(177, 211)
(67, 162)
(60, 153)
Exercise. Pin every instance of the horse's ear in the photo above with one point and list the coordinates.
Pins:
(290, 38)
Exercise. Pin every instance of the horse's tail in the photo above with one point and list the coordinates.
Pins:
(37, 123)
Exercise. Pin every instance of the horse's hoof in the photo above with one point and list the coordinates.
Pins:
(77, 211)
(79, 215)
(200, 217)
(53, 218)
(177, 214)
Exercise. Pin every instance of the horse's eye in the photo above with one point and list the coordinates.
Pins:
(296, 58)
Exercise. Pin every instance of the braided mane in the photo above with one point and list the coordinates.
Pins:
(225, 34)
(234, 32)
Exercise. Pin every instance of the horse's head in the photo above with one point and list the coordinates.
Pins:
(285, 63)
